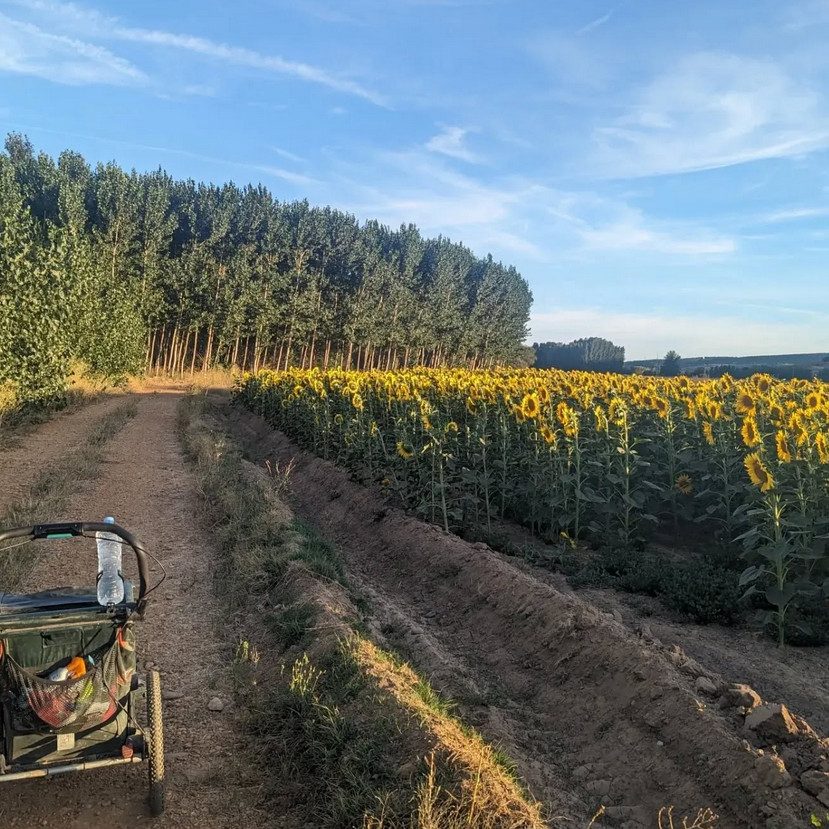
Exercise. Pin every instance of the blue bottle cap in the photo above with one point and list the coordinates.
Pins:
(109, 520)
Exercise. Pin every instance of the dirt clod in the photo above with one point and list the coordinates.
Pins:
(216, 705)
(815, 782)
(742, 696)
(773, 723)
(703, 685)
(771, 772)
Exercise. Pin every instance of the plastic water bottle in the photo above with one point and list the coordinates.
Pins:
(110, 580)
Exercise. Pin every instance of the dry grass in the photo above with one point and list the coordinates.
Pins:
(350, 735)
(49, 493)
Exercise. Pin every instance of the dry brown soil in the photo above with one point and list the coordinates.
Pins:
(31, 454)
(593, 712)
(145, 484)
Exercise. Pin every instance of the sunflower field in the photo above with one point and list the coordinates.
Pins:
(605, 460)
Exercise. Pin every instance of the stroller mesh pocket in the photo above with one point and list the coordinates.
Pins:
(75, 704)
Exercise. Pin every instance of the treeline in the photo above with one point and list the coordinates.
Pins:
(128, 271)
(586, 354)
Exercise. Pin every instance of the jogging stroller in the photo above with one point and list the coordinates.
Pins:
(56, 727)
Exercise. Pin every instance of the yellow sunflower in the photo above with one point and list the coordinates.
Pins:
(547, 434)
(530, 407)
(708, 433)
(760, 476)
(822, 446)
(404, 453)
(782, 444)
(745, 403)
(750, 433)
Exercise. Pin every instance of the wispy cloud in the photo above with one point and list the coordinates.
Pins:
(297, 159)
(594, 24)
(451, 141)
(101, 26)
(713, 110)
(634, 235)
(29, 50)
(792, 215)
(240, 56)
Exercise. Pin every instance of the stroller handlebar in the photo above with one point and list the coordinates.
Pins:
(87, 529)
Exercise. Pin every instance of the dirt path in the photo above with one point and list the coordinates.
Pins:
(21, 463)
(592, 714)
(146, 485)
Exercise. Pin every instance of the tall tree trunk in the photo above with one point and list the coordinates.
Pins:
(245, 356)
(151, 351)
(195, 349)
(327, 355)
(208, 349)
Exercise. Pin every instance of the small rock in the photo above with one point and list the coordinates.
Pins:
(149, 665)
(660, 743)
(580, 772)
(703, 685)
(823, 797)
(815, 781)
(772, 722)
(617, 616)
(771, 771)
(743, 695)
(216, 704)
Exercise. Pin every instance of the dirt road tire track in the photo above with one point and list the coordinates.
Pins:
(590, 713)
(145, 483)
(26, 459)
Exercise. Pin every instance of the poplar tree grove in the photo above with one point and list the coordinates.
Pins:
(127, 272)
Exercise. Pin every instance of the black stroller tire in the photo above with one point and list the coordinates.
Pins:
(155, 752)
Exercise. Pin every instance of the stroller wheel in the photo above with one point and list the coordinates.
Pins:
(156, 743)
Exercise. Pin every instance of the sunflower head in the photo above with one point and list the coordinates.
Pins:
(814, 400)
(684, 484)
(822, 446)
(708, 433)
(530, 406)
(548, 435)
(757, 472)
(750, 432)
(782, 445)
(403, 451)
(745, 403)
(661, 407)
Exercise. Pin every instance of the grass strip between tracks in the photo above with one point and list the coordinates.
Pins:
(51, 490)
(347, 734)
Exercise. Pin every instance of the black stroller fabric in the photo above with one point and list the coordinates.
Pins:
(75, 704)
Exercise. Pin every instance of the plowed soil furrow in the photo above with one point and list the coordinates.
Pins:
(593, 714)
(145, 484)
(23, 462)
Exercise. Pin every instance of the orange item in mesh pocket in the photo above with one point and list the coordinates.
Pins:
(76, 668)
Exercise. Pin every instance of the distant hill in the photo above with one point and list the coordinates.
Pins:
(772, 360)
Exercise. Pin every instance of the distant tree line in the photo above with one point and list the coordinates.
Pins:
(127, 270)
(587, 354)
(782, 372)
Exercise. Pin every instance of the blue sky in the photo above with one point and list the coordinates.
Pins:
(659, 172)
